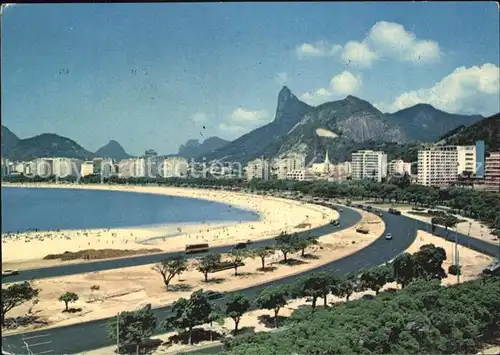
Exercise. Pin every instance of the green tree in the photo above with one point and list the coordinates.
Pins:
(67, 298)
(15, 295)
(208, 264)
(237, 257)
(315, 286)
(169, 267)
(188, 313)
(428, 262)
(263, 253)
(215, 316)
(376, 278)
(133, 327)
(404, 269)
(236, 306)
(286, 243)
(273, 298)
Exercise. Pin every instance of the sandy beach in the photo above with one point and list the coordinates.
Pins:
(472, 263)
(26, 250)
(133, 287)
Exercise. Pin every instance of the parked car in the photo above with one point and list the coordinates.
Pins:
(388, 236)
(334, 222)
(9, 272)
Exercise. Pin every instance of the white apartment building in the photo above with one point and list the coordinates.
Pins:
(173, 167)
(440, 165)
(466, 156)
(5, 167)
(103, 166)
(257, 169)
(286, 164)
(60, 167)
(301, 175)
(369, 164)
(87, 168)
(398, 167)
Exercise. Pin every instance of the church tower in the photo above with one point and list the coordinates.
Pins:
(326, 164)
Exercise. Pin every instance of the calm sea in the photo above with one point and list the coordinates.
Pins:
(48, 209)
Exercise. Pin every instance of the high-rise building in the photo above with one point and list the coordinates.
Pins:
(440, 165)
(480, 161)
(5, 167)
(492, 172)
(369, 164)
(257, 169)
(151, 158)
(103, 167)
(173, 167)
(87, 168)
(286, 164)
(398, 167)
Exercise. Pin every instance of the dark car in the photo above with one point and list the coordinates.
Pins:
(240, 246)
(334, 222)
(213, 295)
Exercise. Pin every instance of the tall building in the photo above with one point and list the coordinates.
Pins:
(87, 168)
(369, 164)
(286, 164)
(466, 158)
(480, 159)
(492, 172)
(257, 169)
(440, 165)
(5, 167)
(104, 167)
(173, 167)
(125, 168)
(398, 167)
(151, 159)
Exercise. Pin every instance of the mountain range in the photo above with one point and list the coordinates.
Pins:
(193, 148)
(339, 127)
(487, 130)
(53, 145)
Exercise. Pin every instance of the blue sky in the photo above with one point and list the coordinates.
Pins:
(152, 75)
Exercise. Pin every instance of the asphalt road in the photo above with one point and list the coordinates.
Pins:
(91, 335)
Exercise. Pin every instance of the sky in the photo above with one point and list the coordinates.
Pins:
(155, 75)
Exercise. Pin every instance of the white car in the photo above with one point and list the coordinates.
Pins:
(388, 236)
(8, 272)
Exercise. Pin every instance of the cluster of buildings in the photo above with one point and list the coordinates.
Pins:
(149, 165)
(445, 165)
(437, 165)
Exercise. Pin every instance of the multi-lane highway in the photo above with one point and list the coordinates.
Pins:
(92, 335)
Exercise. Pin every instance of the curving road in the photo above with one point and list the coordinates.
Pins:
(91, 335)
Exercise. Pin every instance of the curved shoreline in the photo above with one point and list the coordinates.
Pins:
(276, 214)
(131, 226)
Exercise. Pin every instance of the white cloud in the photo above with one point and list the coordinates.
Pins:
(317, 49)
(199, 117)
(358, 54)
(384, 40)
(241, 121)
(345, 83)
(282, 78)
(393, 40)
(342, 84)
(467, 90)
